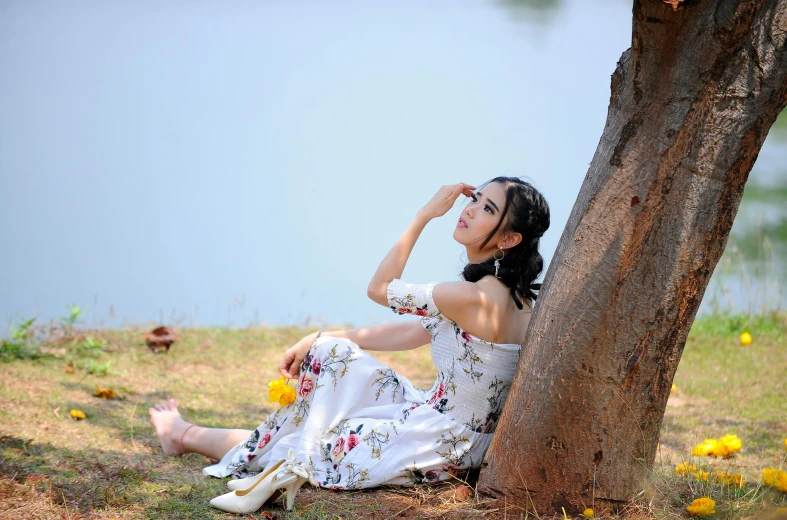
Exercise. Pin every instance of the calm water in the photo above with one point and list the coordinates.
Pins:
(245, 163)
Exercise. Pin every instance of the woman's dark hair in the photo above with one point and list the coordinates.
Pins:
(528, 214)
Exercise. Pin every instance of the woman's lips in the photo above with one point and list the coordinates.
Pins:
(461, 223)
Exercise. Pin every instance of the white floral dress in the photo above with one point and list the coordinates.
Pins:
(356, 423)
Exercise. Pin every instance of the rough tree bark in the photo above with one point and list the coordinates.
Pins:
(691, 103)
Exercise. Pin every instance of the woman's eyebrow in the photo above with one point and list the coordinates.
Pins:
(490, 201)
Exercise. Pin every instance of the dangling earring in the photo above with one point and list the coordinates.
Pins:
(497, 261)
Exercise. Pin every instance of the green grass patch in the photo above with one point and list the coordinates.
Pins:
(110, 464)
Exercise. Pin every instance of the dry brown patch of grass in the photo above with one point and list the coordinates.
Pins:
(110, 464)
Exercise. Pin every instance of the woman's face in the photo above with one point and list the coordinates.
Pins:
(478, 219)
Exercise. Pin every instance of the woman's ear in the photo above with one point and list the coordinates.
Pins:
(511, 240)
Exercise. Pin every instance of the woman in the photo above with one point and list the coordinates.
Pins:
(357, 423)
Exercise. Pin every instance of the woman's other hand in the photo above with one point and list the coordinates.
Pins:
(444, 199)
(290, 365)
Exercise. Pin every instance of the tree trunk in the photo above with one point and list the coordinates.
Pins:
(692, 102)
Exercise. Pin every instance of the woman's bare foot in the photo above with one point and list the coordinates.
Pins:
(169, 426)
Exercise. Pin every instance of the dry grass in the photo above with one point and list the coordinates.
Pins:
(110, 465)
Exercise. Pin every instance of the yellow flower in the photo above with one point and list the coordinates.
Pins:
(702, 507)
(769, 476)
(785, 443)
(773, 477)
(700, 475)
(730, 444)
(587, 513)
(745, 339)
(685, 468)
(736, 480)
(705, 448)
(731, 479)
(674, 387)
(77, 414)
(724, 447)
(279, 391)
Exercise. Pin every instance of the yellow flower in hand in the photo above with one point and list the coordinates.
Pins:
(702, 507)
(279, 391)
(745, 339)
(77, 414)
(588, 513)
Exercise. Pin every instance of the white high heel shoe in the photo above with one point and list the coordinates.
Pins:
(287, 474)
(246, 483)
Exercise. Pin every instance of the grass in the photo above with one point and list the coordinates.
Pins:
(724, 388)
(110, 466)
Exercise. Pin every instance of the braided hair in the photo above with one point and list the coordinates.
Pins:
(528, 214)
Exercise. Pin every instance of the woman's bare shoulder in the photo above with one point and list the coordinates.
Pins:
(495, 291)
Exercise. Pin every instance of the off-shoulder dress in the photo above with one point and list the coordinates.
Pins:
(356, 423)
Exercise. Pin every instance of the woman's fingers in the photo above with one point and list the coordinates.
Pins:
(295, 367)
(445, 198)
(467, 189)
(451, 193)
(461, 189)
(286, 361)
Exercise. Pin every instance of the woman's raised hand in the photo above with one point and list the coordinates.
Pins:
(444, 199)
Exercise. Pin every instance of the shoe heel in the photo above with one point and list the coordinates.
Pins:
(292, 490)
(252, 498)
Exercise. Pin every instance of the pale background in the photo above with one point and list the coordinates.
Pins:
(244, 163)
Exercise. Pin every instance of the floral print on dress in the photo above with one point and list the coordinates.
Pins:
(387, 378)
(470, 359)
(358, 423)
(404, 298)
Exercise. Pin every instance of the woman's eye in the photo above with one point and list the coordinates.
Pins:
(489, 208)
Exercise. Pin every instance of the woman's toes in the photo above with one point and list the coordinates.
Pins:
(169, 426)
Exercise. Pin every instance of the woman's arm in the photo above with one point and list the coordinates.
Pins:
(393, 264)
(389, 336)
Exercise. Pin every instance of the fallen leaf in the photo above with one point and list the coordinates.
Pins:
(105, 393)
(464, 493)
